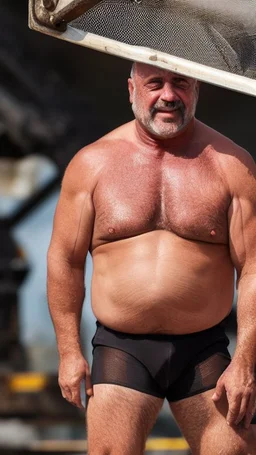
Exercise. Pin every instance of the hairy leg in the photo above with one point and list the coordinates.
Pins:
(119, 420)
(203, 424)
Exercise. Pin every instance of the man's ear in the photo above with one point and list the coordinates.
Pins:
(130, 89)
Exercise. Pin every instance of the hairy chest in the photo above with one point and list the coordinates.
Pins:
(185, 197)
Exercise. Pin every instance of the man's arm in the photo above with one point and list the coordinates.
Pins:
(72, 232)
(240, 376)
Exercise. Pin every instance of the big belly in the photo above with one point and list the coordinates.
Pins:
(160, 283)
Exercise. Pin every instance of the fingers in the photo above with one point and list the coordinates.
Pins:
(240, 390)
(66, 393)
(72, 395)
(250, 411)
(234, 405)
(76, 397)
(220, 389)
(237, 405)
(72, 392)
(88, 385)
(241, 410)
(243, 407)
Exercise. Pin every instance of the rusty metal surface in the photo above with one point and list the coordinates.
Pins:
(50, 4)
(57, 13)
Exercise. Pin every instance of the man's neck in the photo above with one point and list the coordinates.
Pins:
(177, 145)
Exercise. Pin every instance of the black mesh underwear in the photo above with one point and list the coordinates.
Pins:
(166, 366)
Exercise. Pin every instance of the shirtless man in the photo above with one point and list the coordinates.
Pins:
(166, 206)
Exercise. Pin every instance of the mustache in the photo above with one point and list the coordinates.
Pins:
(168, 106)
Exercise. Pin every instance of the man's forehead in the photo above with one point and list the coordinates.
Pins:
(144, 70)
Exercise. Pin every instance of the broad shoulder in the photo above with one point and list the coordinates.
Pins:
(86, 166)
(236, 163)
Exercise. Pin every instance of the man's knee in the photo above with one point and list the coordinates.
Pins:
(220, 439)
(107, 441)
(114, 448)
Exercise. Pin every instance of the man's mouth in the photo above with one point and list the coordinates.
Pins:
(167, 111)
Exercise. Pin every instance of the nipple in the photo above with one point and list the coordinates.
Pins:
(213, 232)
(111, 230)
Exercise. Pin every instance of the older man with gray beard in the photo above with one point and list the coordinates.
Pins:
(166, 206)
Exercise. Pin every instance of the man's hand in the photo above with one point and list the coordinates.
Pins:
(72, 370)
(238, 382)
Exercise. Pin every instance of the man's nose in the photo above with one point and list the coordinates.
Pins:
(168, 93)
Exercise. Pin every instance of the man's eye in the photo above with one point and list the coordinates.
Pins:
(182, 83)
(155, 83)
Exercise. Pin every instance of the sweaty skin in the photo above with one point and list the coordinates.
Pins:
(166, 206)
(160, 244)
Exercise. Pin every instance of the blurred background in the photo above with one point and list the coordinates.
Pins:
(55, 98)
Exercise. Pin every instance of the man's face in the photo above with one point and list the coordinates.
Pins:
(163, 102)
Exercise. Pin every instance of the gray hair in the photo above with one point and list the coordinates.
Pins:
(132, 70)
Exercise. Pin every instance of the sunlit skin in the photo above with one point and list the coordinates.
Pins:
(167, 208)
(163, 103)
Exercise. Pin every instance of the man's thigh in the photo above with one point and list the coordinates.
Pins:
(203, 424)
(119, 420)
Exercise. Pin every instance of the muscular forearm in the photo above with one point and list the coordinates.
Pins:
(246, 319)
(65, 297)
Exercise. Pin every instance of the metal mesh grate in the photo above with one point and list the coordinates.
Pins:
(196, 31)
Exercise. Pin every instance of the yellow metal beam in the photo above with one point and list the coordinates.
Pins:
(166, 444)
(27, 382)
(79, 446)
